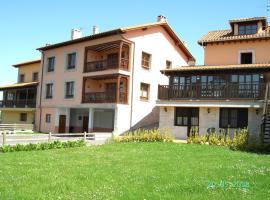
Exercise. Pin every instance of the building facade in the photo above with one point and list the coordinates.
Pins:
(19, 100)
(107, 81)
(229, 91)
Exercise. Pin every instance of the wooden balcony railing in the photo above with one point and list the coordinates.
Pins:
(104, 97)
(20, 103)
(212, 91)
(101, 65)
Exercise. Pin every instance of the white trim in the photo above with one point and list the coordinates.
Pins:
(45, 90)
(64, 89)
(66, 61)
(247, 51)
(232, 104)
(46, 64)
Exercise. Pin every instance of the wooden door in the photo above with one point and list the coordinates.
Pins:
(62, 124)
(85, 123)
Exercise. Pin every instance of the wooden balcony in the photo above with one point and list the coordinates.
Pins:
(222, 91)
(19, 103)
(104, 97)
(106, 89)
(106, 56)
(101, 65)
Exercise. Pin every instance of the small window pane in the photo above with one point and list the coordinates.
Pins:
(146, 60)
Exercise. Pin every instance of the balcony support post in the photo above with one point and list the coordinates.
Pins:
(120, 55)
(83, 89)
(26, 99)
(118, 89)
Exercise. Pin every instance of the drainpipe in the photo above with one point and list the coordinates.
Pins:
(40, 91)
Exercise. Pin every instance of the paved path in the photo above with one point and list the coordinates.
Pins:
(100, 138)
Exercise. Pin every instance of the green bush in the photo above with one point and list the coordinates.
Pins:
(154, 135)
(42, 146)
(240, 140)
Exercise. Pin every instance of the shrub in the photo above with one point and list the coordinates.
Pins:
(154, 135)
(42, 146)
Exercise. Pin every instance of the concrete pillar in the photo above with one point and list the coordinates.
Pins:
(91, 120)
(67, 119)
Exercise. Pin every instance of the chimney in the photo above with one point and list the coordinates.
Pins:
(76, 33)
(95, 30)
(161, 18)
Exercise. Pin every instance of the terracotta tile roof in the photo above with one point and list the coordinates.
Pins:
(248, 19)
(123, 30)
(27, 63)
(227, 35)
(196, 68)
(18, 85)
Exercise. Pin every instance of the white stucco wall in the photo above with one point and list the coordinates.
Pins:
(158, 43)
(206, 120)
(167, 122)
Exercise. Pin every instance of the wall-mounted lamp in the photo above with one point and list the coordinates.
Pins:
(257, 111)
(165, 109)
(208, 110)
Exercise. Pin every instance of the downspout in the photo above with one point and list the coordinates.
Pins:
(40, 91)
(132, 89)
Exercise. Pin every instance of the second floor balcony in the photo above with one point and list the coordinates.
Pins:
(107, 56)
(19, 95)
(106, 89)
(200, 91)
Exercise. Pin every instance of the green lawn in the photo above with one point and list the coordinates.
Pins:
(134, 171)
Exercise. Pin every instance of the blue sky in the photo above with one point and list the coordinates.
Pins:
(29, 24)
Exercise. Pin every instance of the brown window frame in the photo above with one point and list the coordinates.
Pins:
(69, 89)
(241, 117)
(50, 64)
(21, 80)
(147, 86)
(48, 118)
(49, 96)
(35, 76)
(23, 117)
(71, 65)
(146, 62)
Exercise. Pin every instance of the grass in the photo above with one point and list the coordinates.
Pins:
(133, 171)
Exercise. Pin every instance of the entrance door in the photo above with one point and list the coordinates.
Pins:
(62, 124)
(85, 123)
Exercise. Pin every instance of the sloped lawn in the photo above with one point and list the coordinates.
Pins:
(135, 171)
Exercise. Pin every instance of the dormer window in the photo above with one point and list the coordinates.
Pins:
(247, 29)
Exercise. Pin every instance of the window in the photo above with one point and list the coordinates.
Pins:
(186, 117)
(35, 76)
(146, 60)
(246, 58)
(168, 64)
(50, 64)
(48, 118)
(69, 90)
(71, 61)
(248, 29)
(10, 96)
(49, 91)
(144, 91)
(233, 118)
(21, 79)
(23, 117)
